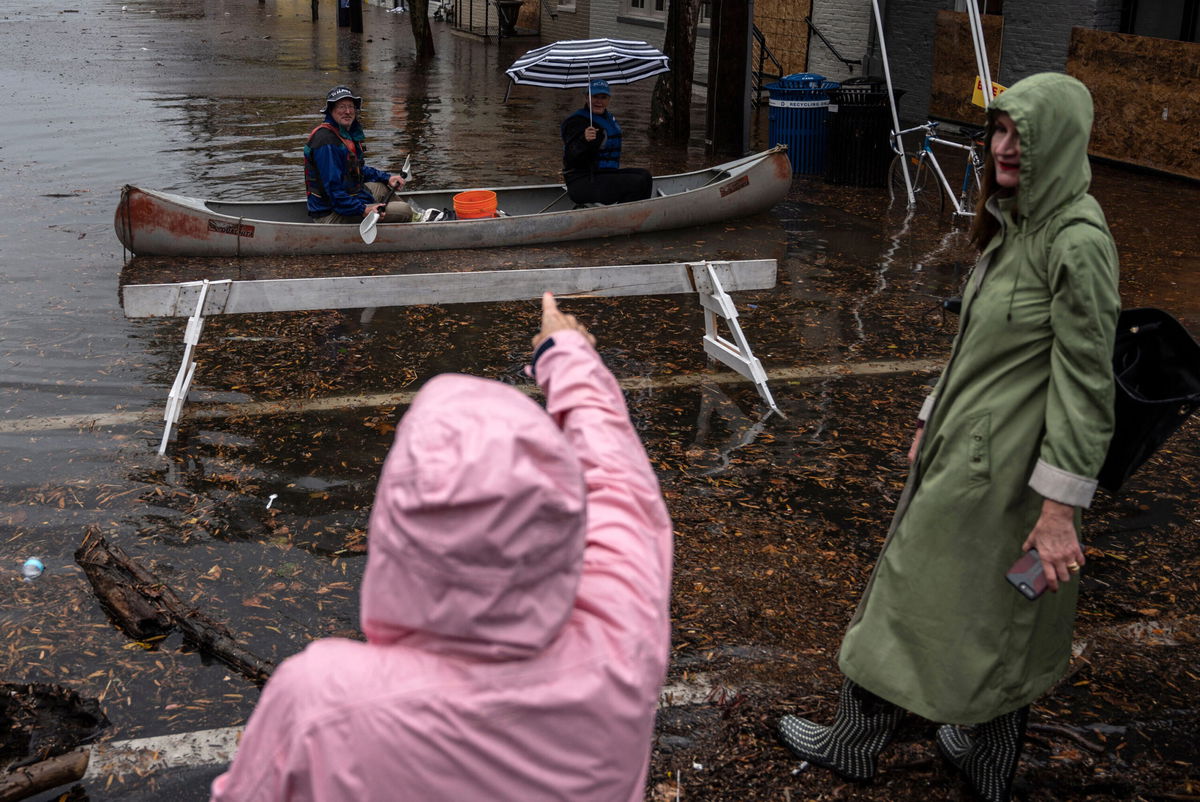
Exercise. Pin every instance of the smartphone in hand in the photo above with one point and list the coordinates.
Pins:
(1026, 575)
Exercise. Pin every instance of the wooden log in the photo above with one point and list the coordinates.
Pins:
(26, 781)
(117, 581)
(125, 587)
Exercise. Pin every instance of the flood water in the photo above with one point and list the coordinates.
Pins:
(214, 99)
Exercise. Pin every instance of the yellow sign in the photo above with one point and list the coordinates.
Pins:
(977, 95)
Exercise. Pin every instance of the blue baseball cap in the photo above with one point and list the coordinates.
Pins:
(600, 87)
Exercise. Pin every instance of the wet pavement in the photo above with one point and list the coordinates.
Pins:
(778, 519)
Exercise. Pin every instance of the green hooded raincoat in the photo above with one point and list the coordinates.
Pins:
(1022, 412)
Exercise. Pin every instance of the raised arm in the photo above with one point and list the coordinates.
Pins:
(627, 561)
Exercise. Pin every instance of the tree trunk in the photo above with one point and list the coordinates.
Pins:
(418, 15)
(118, 580)
(27, 781)
(671, 104)
(727, 124)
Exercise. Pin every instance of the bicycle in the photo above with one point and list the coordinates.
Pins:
(930, 186)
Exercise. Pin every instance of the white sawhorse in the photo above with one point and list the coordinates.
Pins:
(711, 281)
(736, 353)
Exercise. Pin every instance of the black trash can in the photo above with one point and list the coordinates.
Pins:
(343, 13)
(799, 119)
(1156, 364)
(860, 120)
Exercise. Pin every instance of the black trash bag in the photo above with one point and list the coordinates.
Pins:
(1156, 364)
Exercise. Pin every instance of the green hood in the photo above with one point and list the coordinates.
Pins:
(1053, 115)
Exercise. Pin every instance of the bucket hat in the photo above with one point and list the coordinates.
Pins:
(341, 93)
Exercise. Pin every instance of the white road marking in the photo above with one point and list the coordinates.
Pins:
(217, 747)
(144, 755)
(153, 417)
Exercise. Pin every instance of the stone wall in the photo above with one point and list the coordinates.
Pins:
(1145, 91)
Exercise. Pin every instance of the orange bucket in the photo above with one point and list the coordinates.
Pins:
(475, 203)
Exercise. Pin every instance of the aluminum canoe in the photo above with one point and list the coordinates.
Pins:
(154, 223)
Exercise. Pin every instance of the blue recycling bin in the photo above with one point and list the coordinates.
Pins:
(799, 118)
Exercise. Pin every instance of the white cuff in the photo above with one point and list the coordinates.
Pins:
(927, 407)
(1062, 486)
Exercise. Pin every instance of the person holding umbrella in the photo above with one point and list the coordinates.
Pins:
(592, 154)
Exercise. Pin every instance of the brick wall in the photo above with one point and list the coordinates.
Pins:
(910, 27)
(1036, 38)
(1108, 16)
(847, 25)
(1036, 35)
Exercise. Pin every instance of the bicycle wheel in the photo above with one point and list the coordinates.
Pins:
(927, 193)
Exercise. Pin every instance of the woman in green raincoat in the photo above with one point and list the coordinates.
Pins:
(1006, 453)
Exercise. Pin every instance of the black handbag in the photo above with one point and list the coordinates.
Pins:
(1156, 364)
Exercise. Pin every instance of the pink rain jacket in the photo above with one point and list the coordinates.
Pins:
(515, 605)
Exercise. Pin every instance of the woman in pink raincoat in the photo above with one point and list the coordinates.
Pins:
(515, 605)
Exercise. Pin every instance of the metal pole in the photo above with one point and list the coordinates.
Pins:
(887, 74)
(981, 60)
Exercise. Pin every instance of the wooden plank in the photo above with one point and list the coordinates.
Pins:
(346, 292)
(954, 66)
(1144, 89)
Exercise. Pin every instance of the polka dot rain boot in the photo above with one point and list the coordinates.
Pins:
(988, 757)
(862, 727)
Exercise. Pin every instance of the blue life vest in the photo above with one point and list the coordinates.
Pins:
(609, 157)
(352, 172)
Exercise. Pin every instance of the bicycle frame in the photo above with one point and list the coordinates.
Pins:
(974, 163)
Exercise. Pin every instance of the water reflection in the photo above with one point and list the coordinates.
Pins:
(719, 412)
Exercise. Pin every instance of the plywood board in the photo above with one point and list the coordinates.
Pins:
(954, 65)
(782, 23)
(1144, 90)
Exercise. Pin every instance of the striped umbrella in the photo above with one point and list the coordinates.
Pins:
(576, 62)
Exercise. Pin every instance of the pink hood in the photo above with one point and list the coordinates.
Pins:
(477, 534)
(515, 650)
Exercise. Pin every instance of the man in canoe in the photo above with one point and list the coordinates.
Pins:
(340, 185)
(592, 155)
